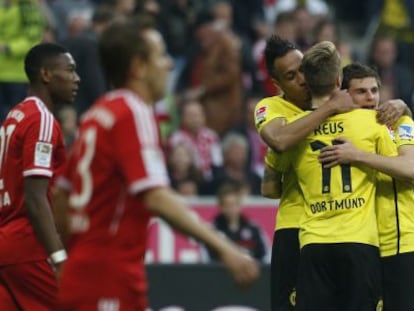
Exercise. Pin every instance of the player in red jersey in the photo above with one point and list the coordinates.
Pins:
(117, 180)
(31, 150)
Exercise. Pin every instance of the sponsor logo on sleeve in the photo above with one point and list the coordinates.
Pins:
(43, 154)
(405, 132)
(260, 115)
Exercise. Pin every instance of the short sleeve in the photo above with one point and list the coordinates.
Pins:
(39, 146)
(137, 149)
(264, 113)
(404, 131)
(277, 161)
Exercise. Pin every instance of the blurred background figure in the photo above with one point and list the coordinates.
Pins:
(397, 80)
(236, 226)
(201, 141)
(67, 118)
(214, 73)
(235, 166)
(84, 48)
(185, 177)
(21, 26)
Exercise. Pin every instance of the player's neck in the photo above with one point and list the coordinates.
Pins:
(141, 90)
(319, 101)
(42, 94)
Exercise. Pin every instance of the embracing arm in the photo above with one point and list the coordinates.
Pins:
(401, 166)
(281, 136)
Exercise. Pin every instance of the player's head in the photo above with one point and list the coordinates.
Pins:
(133, 55)
(51, 66)
(283, 63)
(322, 68)
(362, 83)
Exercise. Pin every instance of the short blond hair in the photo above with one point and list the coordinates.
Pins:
(321, 66)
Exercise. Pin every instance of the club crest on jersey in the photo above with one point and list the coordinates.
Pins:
(43, 154)
(260, 115)
(405, 131)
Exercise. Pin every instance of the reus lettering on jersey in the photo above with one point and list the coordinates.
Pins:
(43, 154)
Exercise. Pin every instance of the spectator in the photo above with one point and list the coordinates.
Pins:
(397, 81)
(84, 48)
(22, 25)
(236, 226)
(257, 148)
(214, 74)
(235, 155)
(202, 141)
(67, 118)
(181, 168)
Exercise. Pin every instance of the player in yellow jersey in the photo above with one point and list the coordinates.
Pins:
(339, 263)
(394, 197)
(283, 62)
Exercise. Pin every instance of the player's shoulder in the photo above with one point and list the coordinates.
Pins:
(113, 107)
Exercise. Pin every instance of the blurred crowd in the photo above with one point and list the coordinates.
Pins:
(219, 73)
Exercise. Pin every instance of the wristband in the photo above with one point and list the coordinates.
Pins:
(58, 256)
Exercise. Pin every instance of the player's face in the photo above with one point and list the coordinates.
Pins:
(158, 67)
(364, 92)
(64, 81)
(291, 79)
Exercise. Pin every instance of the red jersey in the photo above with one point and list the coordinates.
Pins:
(115, 158)
(31, 144)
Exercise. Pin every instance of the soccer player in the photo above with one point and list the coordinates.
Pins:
(118, 179)
(339, 263)
(394, 197)
(283, 61)
(31, 150)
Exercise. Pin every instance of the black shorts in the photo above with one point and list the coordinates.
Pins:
(284, 269)
(339, 277)
(398, 282)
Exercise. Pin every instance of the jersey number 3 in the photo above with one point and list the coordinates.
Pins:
(79, 200)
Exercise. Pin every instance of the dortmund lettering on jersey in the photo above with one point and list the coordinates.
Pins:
(395, 201)
(340, 201)
(291, 203)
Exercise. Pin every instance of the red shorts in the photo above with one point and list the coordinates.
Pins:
(28, 286)
(103, 286)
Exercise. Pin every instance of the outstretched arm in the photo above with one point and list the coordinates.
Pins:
(166, 204)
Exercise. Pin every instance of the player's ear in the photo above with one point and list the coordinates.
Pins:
(339, 81)
(138, 68)
(45, 75)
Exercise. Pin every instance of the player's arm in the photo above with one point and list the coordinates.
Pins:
(41, 218)
(60, 198)
(281, 136)
(271, 186)
(166, 204)
(400, 166)
(391, 111)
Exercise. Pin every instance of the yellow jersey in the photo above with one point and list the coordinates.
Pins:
(291, 202)
(340, 201)
(395, 201)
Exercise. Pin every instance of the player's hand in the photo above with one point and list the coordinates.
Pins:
(342, 152)
(340, 102)
(243, 268)
(390, 111)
